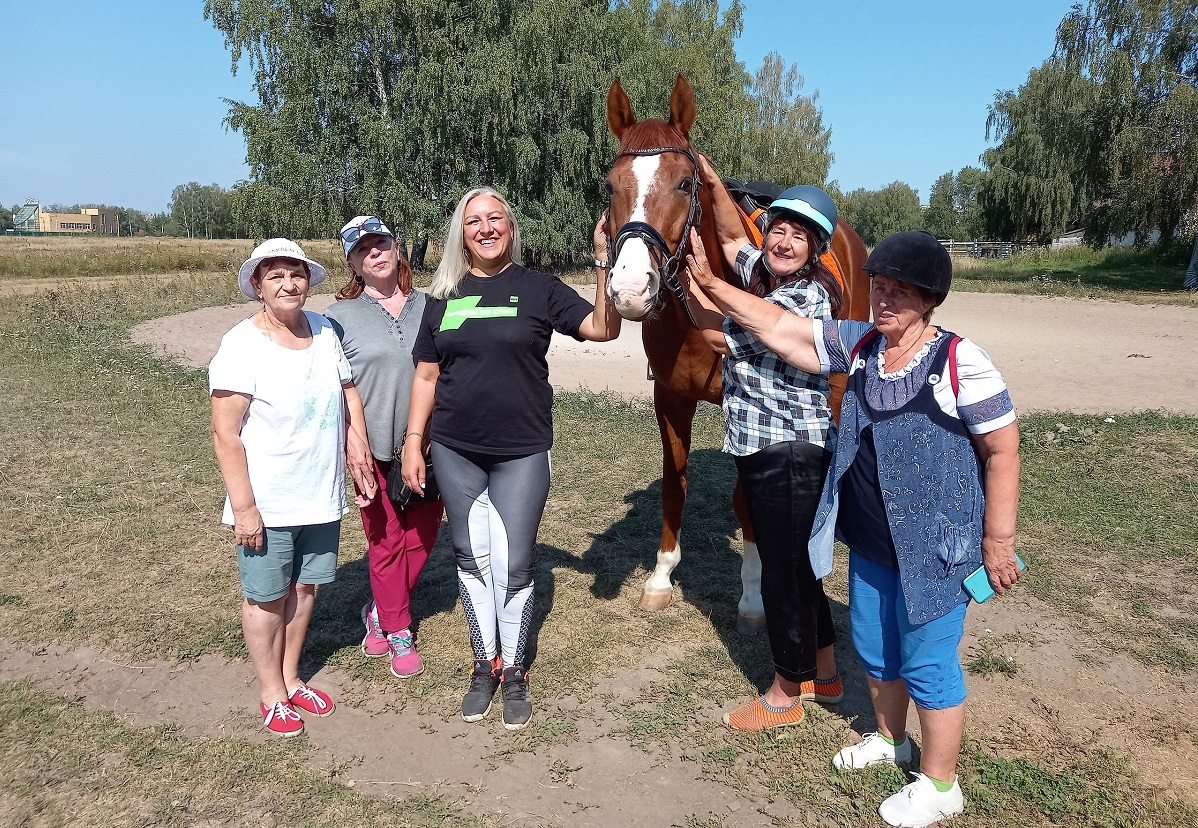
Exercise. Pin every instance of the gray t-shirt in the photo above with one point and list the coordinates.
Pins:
(379, 349)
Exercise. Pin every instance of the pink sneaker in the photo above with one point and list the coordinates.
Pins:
(282, 719)
(374, 645)
(312, 701)
(405, 661)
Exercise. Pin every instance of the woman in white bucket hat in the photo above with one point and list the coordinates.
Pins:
(282, 400)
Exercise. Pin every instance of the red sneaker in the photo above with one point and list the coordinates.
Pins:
(312, 701)
(282, 719)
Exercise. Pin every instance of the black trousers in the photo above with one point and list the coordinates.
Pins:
(782, 484)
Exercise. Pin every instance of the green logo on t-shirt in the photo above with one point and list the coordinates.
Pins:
(457, 311)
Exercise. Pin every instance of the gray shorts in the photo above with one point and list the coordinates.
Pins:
(289, 555)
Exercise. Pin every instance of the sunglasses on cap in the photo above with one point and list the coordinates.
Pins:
(351, 235)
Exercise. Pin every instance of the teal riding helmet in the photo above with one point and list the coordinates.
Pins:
(811, 207)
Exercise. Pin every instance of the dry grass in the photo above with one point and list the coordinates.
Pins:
(64, 765)
(111, 497)
(27, 258)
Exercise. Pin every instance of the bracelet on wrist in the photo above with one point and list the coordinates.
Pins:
(602, 264)
(416, 433)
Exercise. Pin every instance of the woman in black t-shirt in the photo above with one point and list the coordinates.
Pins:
(481, 399)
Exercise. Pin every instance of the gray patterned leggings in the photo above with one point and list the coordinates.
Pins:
(494, 505)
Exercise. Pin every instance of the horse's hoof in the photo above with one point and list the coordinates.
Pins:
(750, 624)
(653, 600)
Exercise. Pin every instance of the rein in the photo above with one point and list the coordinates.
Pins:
(666, 261)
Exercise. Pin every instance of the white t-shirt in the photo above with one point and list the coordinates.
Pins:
(294, 430)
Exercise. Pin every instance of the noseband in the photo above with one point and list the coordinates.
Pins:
(666, 261)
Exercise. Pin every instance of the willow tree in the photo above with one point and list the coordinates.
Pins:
(785, 139)
(1106, 131)
(656, 40)
(399, 106)
(876, 214)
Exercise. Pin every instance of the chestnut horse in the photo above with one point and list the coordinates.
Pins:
(656, 197)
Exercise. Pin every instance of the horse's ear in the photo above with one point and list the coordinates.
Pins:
(682, 107)
(619, 110)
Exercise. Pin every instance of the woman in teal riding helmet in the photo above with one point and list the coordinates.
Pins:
(778, 428)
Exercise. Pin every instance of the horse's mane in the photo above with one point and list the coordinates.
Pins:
(651, 133)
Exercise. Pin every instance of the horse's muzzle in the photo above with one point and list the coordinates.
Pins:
(633, 283)
(632, 306)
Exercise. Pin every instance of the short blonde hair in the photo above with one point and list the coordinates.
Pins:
(455, 261)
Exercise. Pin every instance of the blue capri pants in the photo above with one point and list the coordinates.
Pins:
(924, 656)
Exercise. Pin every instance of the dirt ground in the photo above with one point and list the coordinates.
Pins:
(1056, 354)
(1087, 356)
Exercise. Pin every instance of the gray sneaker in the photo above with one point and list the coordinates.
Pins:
(484, 681)
(517, 707)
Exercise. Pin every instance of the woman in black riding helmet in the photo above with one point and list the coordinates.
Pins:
(779, 431)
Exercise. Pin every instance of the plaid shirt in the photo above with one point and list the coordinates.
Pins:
(767, 401)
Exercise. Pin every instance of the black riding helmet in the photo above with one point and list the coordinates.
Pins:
(913, 256)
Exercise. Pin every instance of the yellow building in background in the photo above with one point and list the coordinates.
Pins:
(88, 220)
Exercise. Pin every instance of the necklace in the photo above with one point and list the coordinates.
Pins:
(888, 360)
(271, 324)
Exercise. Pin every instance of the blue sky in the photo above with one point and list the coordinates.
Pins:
(124, 100)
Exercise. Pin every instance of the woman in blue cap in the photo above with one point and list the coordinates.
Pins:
(377, 318)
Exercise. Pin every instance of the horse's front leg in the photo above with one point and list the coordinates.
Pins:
(674, 419)
(750, 612)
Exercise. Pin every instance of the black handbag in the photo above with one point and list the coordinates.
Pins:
(401, 493)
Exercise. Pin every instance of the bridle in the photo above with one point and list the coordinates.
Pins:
(666, 261)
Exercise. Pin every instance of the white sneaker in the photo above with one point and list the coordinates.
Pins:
(919, 804)
(873, 750)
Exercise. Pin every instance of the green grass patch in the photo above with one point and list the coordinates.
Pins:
(1070, 784)
(1150, 275)
(991, 657)
(64, 765)
(1106, 525)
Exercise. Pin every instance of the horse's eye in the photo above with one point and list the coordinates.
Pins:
(610, 189)
(687, 185)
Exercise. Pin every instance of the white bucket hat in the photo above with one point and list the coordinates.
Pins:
(277, 249)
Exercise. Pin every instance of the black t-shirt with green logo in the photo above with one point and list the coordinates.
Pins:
(490, 340)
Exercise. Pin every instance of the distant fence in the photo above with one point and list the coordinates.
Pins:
(984, 249)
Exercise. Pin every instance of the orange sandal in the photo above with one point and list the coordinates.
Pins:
(823, 691)
(759, 715)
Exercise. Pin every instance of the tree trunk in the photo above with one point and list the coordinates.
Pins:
(419, 249)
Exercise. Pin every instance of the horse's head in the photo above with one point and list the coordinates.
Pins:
(654, 189)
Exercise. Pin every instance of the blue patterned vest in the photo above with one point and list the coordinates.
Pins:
(931, 486)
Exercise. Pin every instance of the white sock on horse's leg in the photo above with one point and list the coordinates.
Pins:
(750, 615)
(659, 588)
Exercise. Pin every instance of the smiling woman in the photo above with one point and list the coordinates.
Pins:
(281, 389)
(377, 319)
(923, 488)
(481, 400)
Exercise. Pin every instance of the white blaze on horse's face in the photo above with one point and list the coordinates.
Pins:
(634, 281)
